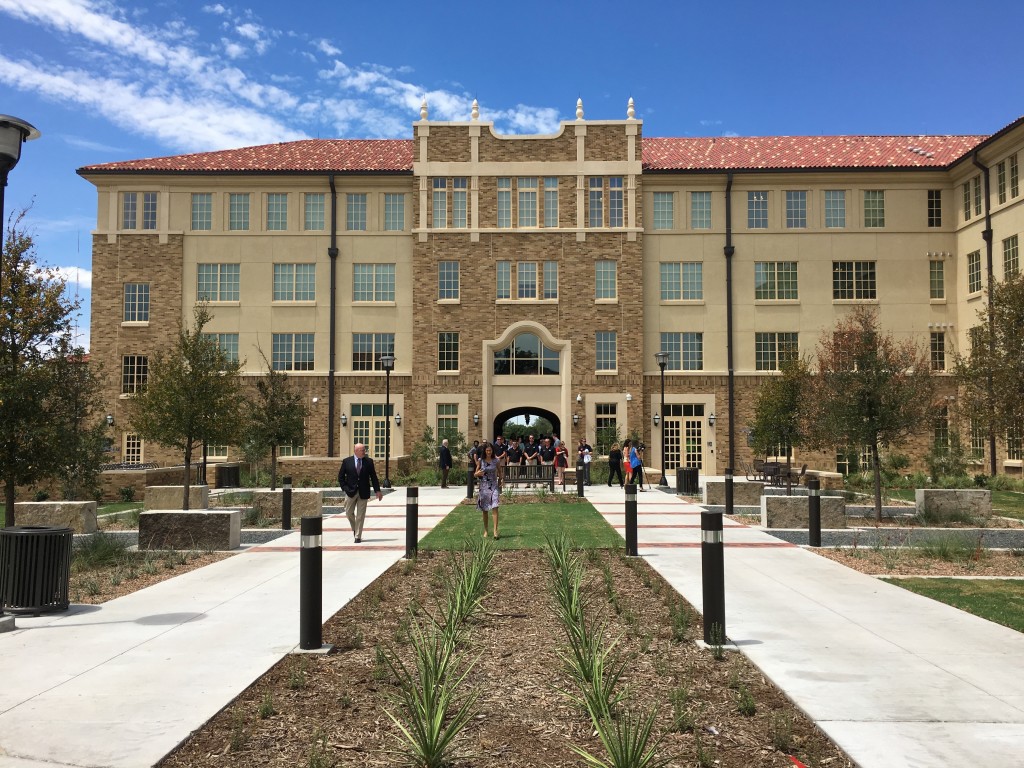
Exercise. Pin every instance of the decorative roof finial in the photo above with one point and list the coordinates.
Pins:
(423, 110)
(476, 110)
(630, 111)
(579, 109)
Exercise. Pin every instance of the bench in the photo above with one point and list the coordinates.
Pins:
(519, 474)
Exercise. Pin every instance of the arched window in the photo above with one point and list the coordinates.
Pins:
(526, 356)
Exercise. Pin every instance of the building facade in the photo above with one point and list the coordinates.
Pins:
(539, 275)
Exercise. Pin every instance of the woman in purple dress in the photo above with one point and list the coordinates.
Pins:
(489, 495)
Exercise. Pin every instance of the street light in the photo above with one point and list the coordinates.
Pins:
(13, 133)
(387, 362)
(662, 358)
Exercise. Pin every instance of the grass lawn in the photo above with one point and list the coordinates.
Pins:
(998, 600)
(118, 506)
(524, 526)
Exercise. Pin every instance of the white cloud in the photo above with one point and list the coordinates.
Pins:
(93, 146)
(216, 9)
(76, 276)
(327, 48)
(232, 49)
(249, 31)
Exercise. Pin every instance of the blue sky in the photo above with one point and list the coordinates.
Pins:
(106, 80)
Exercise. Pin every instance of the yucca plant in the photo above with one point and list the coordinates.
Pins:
(628, 740)
(596, 672)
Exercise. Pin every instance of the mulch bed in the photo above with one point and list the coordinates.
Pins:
(329, 710)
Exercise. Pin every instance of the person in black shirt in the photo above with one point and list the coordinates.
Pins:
(514, 454)
(444, 460)
(530, 454)
(615, 464)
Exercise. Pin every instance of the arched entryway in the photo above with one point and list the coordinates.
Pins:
(524, 410)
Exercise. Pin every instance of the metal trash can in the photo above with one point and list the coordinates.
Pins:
(686, 481)
(229, 475)
(35, 568)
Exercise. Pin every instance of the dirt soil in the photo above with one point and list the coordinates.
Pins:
(893, 561)
(98, 585)
(330, 710)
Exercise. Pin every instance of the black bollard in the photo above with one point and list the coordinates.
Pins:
(579, 479)
(713, 576)
(631, 544)
(311, 587)
(814, 508)
(412, 521)
(286, 505)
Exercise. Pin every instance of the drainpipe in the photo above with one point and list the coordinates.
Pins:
(332, 252)
(986, 235)
(729, 250)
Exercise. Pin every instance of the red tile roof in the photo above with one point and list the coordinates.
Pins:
(678, 154)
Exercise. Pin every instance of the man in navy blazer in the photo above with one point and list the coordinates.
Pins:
(355, 477)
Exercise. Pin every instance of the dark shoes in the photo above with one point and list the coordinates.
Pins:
(359, 539)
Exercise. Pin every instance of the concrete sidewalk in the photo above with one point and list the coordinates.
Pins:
(895, 679)
(123, 683)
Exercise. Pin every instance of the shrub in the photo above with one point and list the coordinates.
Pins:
(126, 493)
(42, 495)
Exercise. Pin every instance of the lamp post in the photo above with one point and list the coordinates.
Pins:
(387, 362)
(13, 133)
(662, 358)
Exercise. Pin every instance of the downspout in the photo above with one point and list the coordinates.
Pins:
(332, 252)
(986, 235)
(729, 250)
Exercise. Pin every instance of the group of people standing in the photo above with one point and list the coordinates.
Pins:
(626, 463)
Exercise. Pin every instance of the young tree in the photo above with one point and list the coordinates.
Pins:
(869, 390)
(777, 415)
(192, 395)
(277, 417)
(78, 418)
(997, 407)
(35, 333)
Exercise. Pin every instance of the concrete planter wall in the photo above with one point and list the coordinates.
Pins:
(744, 494)
(170, 496)
(305, 503)
(79, 516)
(944, 503)
(201, 530)
(793, 512)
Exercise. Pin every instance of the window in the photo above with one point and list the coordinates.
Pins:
(853, 280)
(937, 279)
(504, 279)
(682, 280)
(238, 211)
(976, 337)
(974, 272)
(132, 448)
(550, 279)
(938, 351)
(130, 210)
(227, 343)
(835, 208)
(606, 427)
(757, 210)
(448, 280)
(664, 210)
(934, 207)
(355, 211)
(940, 431)
(1014, 182)
(504, 203)
(294, 282)
(874, 208)
(291, 449)
(1014, 445)
(615, 202)
(700, 210)
(367, 349)
(527, 355)
(685, 350)
(134, 373)
(526, 280)
(373, 282)
(775, 280)
(394, 212)
(771, 350)
(439, 204)
(605, 280)
(459, 202)
(136, 302)
(606, 344)
(1001, 181)
(977, 440)
(314, 211)
(447, 420)
(217, 452)
(217, 282)
(448, 351)
(967, 201)
(1011, 259)
(976, 185)
(277, 212)
(527, 202)
(551, 201)
(202, 211)
(595, 217)
(292, 352)
(796, 209)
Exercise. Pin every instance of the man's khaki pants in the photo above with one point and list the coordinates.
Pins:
(355, 511)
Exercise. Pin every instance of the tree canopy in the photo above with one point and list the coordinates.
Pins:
(778, 414)
(277, 417)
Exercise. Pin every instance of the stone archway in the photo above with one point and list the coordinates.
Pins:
(524, 410)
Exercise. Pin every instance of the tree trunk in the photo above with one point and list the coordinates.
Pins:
(273, 467)
(188, 476)
(9, 503)
(878, 481)
(789, 464)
